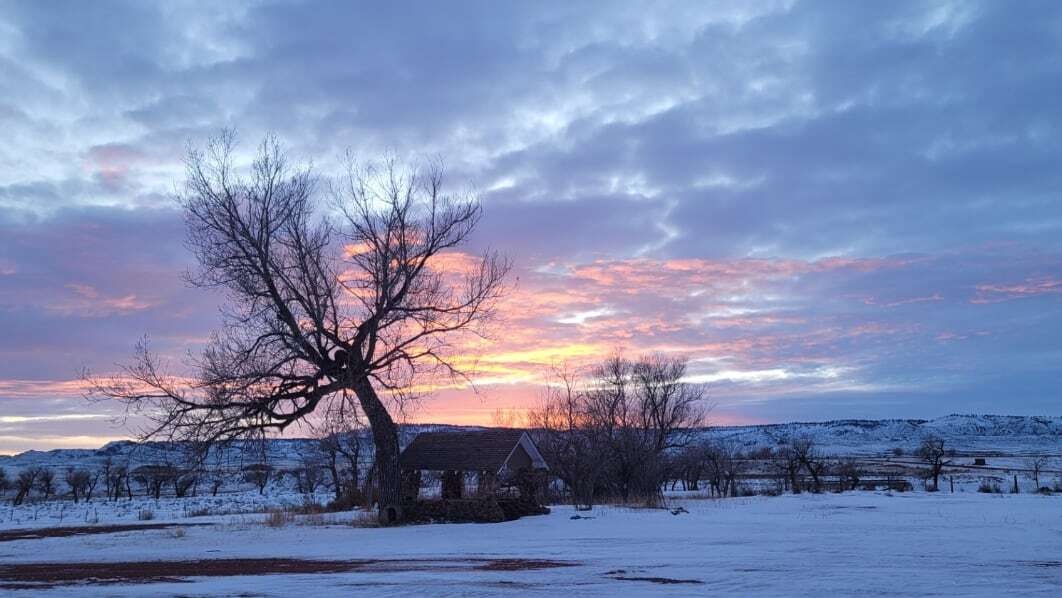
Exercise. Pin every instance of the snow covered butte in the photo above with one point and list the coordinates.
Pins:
(980, 434)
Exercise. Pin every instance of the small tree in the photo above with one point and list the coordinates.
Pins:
(46, 482)
(24, 484)
(935, 454)
(115, 479)
(4, 482)
(1036, 466)
(566, 437)
(309, 475)
(785, 461)
(153, 478)
(259, 475)
(849, 474)
(339, 446)
(811, 459)
(78, 480)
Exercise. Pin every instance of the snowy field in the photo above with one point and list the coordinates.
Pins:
(860, 543)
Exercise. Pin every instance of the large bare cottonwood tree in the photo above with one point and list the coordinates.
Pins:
(338, 301)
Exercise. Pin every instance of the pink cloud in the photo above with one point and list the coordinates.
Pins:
(87, 301)
(1030, 287)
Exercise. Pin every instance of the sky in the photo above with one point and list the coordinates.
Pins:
(832, 209)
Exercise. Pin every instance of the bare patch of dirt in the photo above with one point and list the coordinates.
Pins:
(660, 580)
(63, 532)
(1045, 564)
(46, 575)
(521, 565)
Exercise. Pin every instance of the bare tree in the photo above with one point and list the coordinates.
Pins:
(934, 453)
(258, 474)
(320, 309)
(309, 474)
(723, 464)
(215, 473)
(4, 482)
(339, 445)
(78, 480)
(45, 482)
(188, 469)
(811, 459)
(153, 478)
(24, 484)
(618, 429)
(1036, 465)
(565, 435)
(849, 474)
(115, 479)
(785, 461)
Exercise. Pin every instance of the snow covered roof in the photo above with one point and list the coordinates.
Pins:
(485, 450)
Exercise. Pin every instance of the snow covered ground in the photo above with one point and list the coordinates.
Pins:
(100, 511)
(860, 543)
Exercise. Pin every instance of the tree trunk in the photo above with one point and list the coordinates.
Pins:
(385, 440)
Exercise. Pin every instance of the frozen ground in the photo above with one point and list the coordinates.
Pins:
(860, 543)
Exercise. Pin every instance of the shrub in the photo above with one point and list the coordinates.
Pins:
(989, 487)
(897, 452)
(279, 518)
(145, 515)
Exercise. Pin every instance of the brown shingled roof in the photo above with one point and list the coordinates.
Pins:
(485, 450)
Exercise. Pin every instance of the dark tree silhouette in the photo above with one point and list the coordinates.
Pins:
(319, 308)
(934, 453)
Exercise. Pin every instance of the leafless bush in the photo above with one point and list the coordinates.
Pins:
(989, 487)
(145, 515)
(279, 518)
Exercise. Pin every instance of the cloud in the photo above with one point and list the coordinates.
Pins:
(862, 189)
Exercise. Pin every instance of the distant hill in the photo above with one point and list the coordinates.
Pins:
(964, 433)
(983, 434)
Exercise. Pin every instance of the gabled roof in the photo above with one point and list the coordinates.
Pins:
(485, 450)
